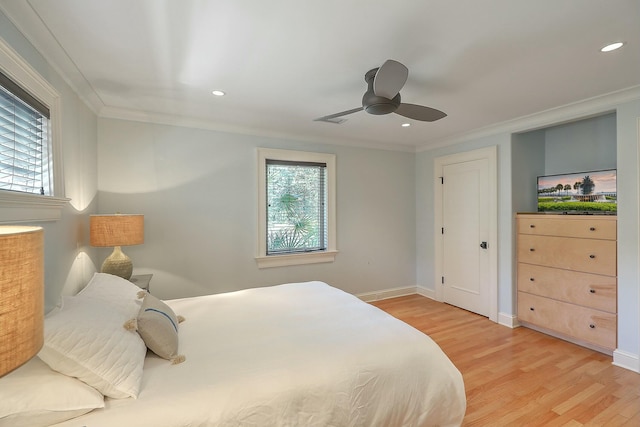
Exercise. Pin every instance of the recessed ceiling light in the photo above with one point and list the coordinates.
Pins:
(406, 125)
(612, 46)
(218, 93)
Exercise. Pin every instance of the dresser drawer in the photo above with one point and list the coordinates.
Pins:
(591, 256)
(589, 227)
(586, 324)
(591, 290)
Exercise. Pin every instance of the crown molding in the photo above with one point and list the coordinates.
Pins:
(31, 26)
(191, 122)
(567, 113)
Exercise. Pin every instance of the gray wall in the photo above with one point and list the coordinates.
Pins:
(197, 190)
(67, 255)
(628, 136)
(580, 146)
(528, 160)
(607, 141)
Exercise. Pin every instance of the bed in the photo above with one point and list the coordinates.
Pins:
(300, 354)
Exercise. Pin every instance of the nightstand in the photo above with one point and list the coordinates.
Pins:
(142, 281)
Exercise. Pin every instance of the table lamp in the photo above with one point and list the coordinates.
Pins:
(21, 295)
(116, 230)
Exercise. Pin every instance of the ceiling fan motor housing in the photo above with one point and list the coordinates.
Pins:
(377, 105)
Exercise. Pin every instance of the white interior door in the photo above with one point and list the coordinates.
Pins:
(465, 227)
(466, 222)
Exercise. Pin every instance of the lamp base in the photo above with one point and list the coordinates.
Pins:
(118, 264)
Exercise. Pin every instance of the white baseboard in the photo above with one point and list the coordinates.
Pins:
(508, 320)
(425, 292)
(626, 360)
(397, 292)
(387, 293)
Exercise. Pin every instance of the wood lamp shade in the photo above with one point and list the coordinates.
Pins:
(21, 295)
(116, 230)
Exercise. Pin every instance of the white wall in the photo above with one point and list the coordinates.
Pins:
(197, 190)
(67, 255)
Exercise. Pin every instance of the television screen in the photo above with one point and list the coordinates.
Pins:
(592, 192)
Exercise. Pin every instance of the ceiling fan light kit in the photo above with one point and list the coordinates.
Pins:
(383, 96)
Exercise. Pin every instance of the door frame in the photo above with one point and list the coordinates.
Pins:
(491, 155)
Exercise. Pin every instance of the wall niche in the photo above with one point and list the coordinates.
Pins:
(583, 145)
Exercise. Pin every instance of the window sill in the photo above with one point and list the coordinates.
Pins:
(295, 259)
(20, 207)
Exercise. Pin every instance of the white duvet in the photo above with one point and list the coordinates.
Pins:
(302, 354)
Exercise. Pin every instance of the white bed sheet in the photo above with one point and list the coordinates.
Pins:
(302, 354)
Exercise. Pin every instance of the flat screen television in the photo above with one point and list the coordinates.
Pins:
(579, 193)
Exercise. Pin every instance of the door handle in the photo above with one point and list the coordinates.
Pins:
(484, 245)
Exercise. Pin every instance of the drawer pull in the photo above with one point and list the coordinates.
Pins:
(532, 250)
(592, 256)
(592, 229)
(593, 291)
(532, 279)
(532, 226)
(592, 326)
(531, 308)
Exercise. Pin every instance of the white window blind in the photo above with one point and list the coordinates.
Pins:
(24, 130)
(296, 207)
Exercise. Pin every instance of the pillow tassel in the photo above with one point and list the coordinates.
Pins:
(178, 359)
(181, 319)
(142, 294)
(131, 324)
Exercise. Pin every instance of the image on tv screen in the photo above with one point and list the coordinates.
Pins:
(592, 192)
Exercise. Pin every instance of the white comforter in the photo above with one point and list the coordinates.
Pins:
(302, 354)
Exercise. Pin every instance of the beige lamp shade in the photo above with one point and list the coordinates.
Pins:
(116, 230)
(21, 295)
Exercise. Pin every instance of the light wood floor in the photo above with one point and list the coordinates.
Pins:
(518, 377)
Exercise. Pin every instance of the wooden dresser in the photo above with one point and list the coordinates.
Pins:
(567, 277)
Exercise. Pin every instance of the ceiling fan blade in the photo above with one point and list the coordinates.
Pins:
(389, 79)
(331, 118)
(420, 112)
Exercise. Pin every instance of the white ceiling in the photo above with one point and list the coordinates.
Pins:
(285, 62)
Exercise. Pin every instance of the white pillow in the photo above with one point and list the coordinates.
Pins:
(34, 395)
(87, 340)
(114, 290)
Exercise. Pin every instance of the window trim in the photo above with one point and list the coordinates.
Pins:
(267, 261)
(25, 207)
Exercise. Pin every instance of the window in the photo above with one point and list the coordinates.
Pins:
(24, 134)
(31, 182)
(296, 208)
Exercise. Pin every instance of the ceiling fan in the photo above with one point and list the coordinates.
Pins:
(383, 96)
